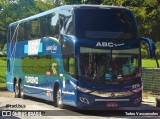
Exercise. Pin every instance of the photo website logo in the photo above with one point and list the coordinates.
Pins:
(6, 113)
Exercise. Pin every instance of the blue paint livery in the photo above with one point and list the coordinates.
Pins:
(75, 91)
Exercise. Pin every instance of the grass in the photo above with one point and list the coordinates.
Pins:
(2, 72)
(149, 63)
(147, 94)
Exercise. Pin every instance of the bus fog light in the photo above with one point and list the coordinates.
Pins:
(84, 100)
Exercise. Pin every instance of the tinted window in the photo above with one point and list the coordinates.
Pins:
(8, 65)
(27, 34)
(39, 65)
(68, 57)
(45, 26)
(55, 25)
(105, 23)
(13, 34)
(35, 29)
(108, 65)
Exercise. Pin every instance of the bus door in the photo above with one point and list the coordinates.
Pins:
(52, 73)
(69, 75)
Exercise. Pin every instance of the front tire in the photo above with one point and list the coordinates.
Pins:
(58, 99)
(17, 90)
(22, 95)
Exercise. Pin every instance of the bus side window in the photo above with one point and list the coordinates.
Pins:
(39, 65)
(68, 57)
(13, 34)
(71, 66)
(8, 65)
(55, 25)
(27, 27)
(21, 32)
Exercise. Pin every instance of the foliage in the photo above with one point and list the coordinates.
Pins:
(145, 50)
(150, 63)
(147, 13)
(14, 10)
(66, 2)
(2, 72)
(4, 49)
(114, 2)
(158, 49)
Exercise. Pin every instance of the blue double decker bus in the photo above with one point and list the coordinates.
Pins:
(78, 55)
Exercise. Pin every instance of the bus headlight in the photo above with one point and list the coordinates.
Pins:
(83, 89)
(80, 88)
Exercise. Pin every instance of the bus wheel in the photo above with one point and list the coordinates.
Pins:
(21, 91)
(16, 90)
(58, 99)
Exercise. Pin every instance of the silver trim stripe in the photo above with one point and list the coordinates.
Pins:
(66, 92)
(10, 83)
(38, 87)
(112, 100)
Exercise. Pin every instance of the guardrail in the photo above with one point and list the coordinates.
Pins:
(151, 80)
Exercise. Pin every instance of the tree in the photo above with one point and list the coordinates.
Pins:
(4, 49)
(147, 12)
(114, 2)
(71, 2)
(14, 10)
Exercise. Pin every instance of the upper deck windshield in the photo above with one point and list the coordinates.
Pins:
(105, 23)
(108, 65)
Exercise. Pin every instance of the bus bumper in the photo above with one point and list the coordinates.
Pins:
(90, 101)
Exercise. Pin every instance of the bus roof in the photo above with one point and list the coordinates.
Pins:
(65, 7)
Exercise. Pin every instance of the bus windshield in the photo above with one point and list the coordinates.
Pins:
(108, 65)
(105, 23)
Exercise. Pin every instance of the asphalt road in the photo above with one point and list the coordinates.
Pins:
(8, 102)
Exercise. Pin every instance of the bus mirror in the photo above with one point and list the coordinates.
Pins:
(69, 38)
(151, 44)
(152, 48)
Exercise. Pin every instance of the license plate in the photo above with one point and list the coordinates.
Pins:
(112, 104)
